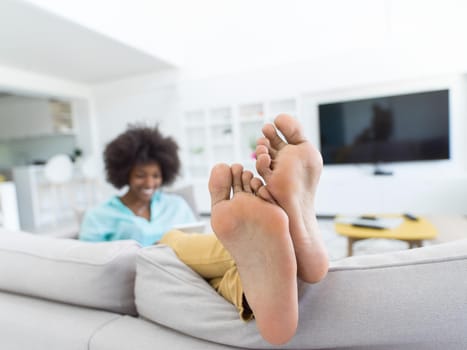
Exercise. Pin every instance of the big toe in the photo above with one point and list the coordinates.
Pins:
(220, 183)
(275, 141)
(290, 128)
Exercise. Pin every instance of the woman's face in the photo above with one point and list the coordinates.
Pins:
(144, 180)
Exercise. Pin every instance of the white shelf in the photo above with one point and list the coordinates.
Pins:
(220, 123)
(197, 165)
(220, 143)
(225, 133)
(255, 120)
(195, 125)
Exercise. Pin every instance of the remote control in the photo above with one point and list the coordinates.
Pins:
(368, 217)
(362, 225)
(410, 217)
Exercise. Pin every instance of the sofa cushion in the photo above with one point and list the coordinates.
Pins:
(170, 293)
(97, 275)
(135, 333)
(409, 299)
(29, 323)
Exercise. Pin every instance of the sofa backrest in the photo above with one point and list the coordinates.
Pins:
(97, 275)
(411, 299)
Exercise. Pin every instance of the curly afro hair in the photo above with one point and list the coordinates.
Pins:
(140, 144)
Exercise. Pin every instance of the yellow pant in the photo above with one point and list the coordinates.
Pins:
(207, 256)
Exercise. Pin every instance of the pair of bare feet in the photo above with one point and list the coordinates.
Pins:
(271, 229)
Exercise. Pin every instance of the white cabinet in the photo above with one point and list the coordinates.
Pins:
(8, 206)
(22, 117)
(225, 134)
(367, 194)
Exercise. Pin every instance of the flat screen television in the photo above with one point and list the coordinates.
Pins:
(408, 127)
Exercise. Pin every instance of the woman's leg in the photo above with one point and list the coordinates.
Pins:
(205, 255)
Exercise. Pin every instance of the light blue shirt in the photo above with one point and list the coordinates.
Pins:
(113, 220)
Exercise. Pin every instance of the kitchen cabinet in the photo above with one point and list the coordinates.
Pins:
(23, 117)
(8, 206)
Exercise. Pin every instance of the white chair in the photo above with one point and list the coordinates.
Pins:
(89, 167)
(58, 173)
(90, 192)
(59, 169)
(187, 192)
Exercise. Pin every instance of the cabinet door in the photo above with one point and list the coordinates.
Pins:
(251, 118)
(195, 144)
(22, 117)
(221, 135)
(8, 206)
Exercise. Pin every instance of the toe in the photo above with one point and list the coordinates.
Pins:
(246, 179)
(263, 165)
(220, 183)
(275, 141)
(261, 149)
(290, 128)
(237, 170)
(264, 142)
(256, 184)
(264, 194)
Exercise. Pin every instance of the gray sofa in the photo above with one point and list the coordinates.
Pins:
(67, 294)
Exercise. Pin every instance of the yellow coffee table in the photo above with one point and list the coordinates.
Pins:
(412, 232)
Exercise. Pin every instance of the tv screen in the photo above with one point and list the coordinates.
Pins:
(395, 128)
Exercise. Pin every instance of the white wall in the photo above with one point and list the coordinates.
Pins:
(151, 99)
(163, 97)
(25, 82)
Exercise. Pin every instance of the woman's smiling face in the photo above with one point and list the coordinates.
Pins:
(144, 180)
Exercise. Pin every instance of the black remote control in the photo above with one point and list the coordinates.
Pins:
(374, 227)
(368, 217)
(410, 217)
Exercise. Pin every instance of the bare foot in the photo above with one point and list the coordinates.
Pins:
(291, 171)
(256, 234)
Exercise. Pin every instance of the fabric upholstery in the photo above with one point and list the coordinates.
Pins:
(30, 323)
(129, 333)
(98, 275)
(413, 299)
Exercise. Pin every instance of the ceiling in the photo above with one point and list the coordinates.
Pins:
(34, 40)
(93, 41)
(213, 38)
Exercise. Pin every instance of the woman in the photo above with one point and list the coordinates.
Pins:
(145, 161)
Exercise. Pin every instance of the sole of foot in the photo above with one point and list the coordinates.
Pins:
(256, 234)
(291, 169)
